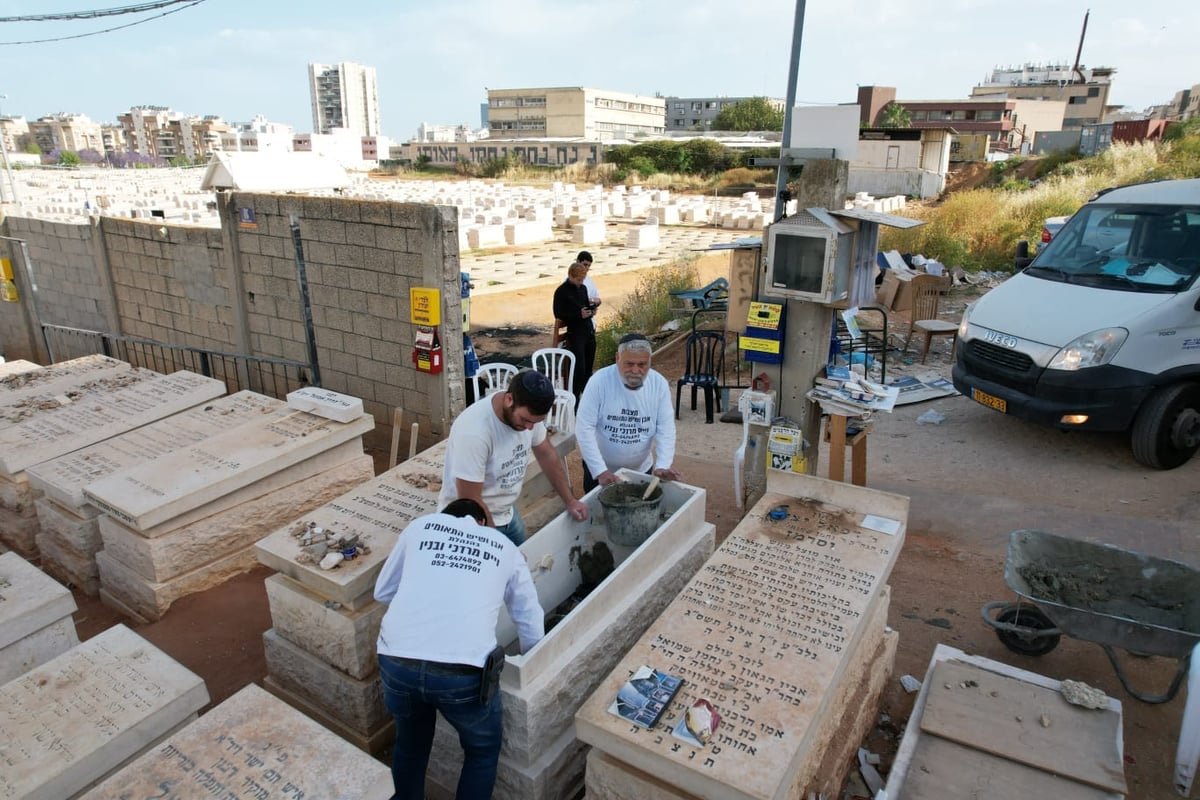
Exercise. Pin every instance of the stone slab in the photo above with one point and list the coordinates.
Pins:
(178, 482)
(358, 704)
(19, 532)
(63, 478)
(190, 547)
(377, 511)
(78, 529)
(556, 774)
(97, 418)
(10, 368)
(16, 493)
(70, 721)
(37, 648)
(56, 379)
(764, 631)
(128, 592)
(325, 403)
(378, 742)
(73, 569)
(340, 636)
(251, 745)
(29, 600)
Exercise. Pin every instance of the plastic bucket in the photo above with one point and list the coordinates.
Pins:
(629, 519)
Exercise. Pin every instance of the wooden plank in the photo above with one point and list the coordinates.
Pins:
(943, 770)
(1024, 723)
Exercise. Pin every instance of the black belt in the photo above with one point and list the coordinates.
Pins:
(436, 667)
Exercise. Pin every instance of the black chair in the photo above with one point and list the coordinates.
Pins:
(705, 358)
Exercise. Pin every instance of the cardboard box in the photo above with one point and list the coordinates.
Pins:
(895, 292)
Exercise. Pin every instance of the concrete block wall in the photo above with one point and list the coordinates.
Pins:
(236, 289)
(71, 290)
(171, 284)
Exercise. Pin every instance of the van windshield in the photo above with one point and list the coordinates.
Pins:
(1125, 247)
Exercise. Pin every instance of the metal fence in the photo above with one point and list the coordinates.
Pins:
(274, 377)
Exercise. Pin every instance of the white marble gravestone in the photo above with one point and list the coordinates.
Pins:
(35, 618)
(73, 720)
(765, 632)
(251, 746)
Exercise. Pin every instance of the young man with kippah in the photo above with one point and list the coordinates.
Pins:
(488, 450)
(625, 418)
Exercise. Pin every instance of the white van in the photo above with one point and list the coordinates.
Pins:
(1102, 331)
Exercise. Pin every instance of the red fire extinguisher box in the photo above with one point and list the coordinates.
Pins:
(427, 350)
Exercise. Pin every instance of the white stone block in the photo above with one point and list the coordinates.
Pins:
(326, 403)
(342, 637)
(30, 602)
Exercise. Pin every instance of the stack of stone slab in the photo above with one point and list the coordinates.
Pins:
(94, 416)
(188, 520)
(642, 237)
(70, 528)
(252, 746)
(321, 649)
(784, 633)
(75, 719)
(35, 618)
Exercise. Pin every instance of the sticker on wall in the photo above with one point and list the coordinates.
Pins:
(246, 219)
(425, 306)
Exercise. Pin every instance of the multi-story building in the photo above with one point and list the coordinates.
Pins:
(572, 112)
(158, 132)
(113, 138)
(1011, 124)
(344, 95)
(447, 133)
(700, 113)
(14, 133)
(63, 131)
(1184, 105)
(1085, 91)
(257, 136)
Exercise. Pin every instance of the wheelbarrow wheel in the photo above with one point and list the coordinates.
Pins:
(1027, 644)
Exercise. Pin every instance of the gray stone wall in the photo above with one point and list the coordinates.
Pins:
(237, 290)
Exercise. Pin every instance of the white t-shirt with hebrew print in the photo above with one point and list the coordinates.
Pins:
(483, 449)
(620, 427)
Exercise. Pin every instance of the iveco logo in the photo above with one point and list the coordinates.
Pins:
(1000, 339)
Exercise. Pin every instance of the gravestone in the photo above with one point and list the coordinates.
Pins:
(765, 632)
(70, 531)
(35, 618)
(84, 422)
(80, 716)
(253, 746)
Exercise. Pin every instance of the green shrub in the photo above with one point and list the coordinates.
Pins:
(647, 307)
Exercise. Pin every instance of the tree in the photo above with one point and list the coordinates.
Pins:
(180, 161)
(69, 158)
(31, 147)
(751, 114)
(895, 115)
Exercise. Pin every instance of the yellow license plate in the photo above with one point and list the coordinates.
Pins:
(998, 403)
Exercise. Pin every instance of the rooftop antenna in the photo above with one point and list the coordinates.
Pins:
(1079, 52)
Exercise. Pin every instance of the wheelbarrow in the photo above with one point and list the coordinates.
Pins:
(1097, 593)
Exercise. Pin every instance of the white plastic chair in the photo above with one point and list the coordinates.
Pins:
(557, 364)
(739, 456)
(562, 420)
(1188, 751)
(492, 378)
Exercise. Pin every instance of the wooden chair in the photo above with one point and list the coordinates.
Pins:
(492, 378)
(559, 334)
(927, 292)
(557, 364)
(705, 356)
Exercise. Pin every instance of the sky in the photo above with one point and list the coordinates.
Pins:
(435, 60)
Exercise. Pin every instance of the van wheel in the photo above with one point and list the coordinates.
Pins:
(1166, 431)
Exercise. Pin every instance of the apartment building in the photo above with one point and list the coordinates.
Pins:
(14, 133)
(344, 95)
(1085, 91)
(700, 113)
(158, 132)
(64, 131)
(572, 112)
(259, 135)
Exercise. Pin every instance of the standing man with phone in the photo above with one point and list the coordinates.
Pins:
(573, 306)
(444, 584)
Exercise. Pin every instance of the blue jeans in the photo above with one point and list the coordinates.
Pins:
(514, 529)
(413, 693)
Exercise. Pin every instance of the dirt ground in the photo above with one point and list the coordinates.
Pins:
(972, 479)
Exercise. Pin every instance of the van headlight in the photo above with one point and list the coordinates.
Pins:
(962, 326)
(1093, 349)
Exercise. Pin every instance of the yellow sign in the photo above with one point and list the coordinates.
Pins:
(765, 315)
(425, 306)
(758, 345)
(6, 272)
